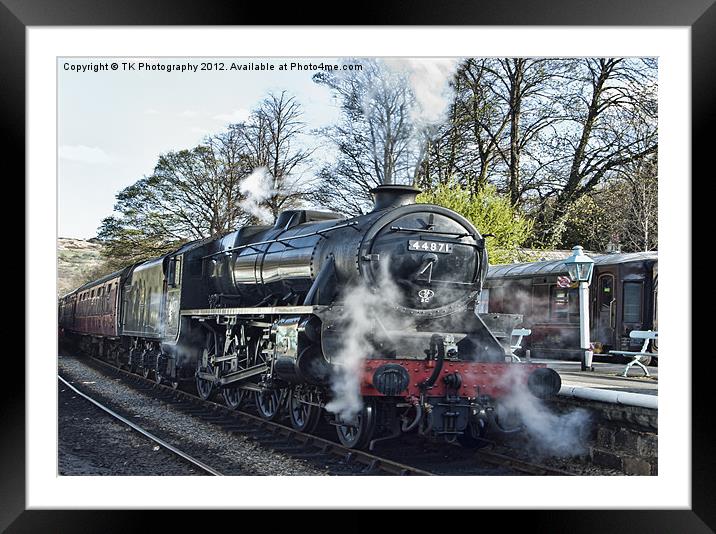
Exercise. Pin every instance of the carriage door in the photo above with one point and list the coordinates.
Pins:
(606, 311)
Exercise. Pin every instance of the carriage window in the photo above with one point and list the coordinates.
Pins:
(564, 304)
(495, 300)
(560, 303)
(632, 302)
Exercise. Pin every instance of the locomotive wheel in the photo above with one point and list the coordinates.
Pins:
(233, 397)
(147, 372)
(204, 387)
(359, 435)
(304, 417)
(268, 404)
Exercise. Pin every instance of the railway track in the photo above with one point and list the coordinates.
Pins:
(317, 449)
(278, 437)
(134, 426)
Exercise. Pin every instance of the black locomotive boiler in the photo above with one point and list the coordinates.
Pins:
(260, 312)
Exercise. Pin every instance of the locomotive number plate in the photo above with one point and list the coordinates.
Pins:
(429, 246)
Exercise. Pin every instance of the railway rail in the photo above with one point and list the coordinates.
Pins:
(286, 440)
(134, 426)
(278, 437)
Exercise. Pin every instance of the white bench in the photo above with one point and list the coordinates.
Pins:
(647, 336)
(520, 333)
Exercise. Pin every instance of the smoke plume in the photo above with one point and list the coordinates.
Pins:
(257, 187)
(560, 434)
(367, 312)
(430, 83)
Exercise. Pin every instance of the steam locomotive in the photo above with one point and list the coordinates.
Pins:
(261, 313)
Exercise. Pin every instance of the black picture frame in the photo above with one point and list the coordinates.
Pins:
(17, 15)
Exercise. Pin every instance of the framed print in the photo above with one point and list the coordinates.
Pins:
(106, 96)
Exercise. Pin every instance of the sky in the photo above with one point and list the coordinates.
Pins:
(113, 124)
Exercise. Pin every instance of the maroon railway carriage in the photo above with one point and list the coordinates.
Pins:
(93, 311)
(622, 298)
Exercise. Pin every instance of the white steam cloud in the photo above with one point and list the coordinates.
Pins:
(257, 187)
(366, 313)
(559, 434)
(430, 83)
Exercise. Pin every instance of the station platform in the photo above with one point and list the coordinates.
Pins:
(605, 376)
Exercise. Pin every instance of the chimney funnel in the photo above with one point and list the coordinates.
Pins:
(392, 196)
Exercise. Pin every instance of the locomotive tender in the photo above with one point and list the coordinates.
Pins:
(259, 312)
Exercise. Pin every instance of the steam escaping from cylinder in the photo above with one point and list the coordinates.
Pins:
(366, 312)
(551, 433)
(257, 187)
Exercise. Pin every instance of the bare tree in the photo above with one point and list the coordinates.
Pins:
(640, 229)
(610, 123)
(483, 115)
(527, 89)
(466, 145)
(501, 108)
(373, 141)
(271, 139)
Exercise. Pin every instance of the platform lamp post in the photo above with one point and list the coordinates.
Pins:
(580, 267)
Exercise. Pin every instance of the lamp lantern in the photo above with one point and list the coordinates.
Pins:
(580, 267)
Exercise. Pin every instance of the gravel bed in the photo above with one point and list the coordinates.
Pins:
(230, 454)
(91, 442)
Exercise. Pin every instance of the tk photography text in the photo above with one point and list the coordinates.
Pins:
(189, 66)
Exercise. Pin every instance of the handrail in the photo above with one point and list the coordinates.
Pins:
(280, 239)
(427, 231)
